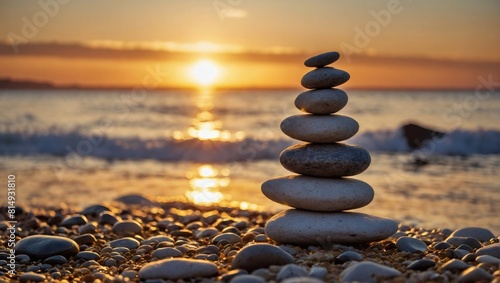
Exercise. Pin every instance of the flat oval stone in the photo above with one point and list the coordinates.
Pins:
(95, 210)
(349, 256)
(247, 278)
(206, 232)
(304, 227)
(318, 272)
(108, 217)
(492, 250)
(474, 274)
(229, 237)
(422, 264)
(291, 270)
(488, 259)
(322, 59)
(480, 234)
(126, 242)
(157, 239)
(455, 265)
(88, 255)
(324, 78)
(85, 239)
(175, 269)
(368, 272)
(441, 246)
(71, 220)
(410, 245)
(318, 194)
(469, 241)
(319, 128)
(167, 252)
(325, 160)
(31, 277)
(43, 246)
(321, 101)
(302, 279)
(257, 256)
(127, 228)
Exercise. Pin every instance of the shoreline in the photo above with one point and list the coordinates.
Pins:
(192, 230)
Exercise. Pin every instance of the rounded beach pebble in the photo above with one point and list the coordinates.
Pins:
(492, 250)
(126, 242)
(257, 256)
(175, 269)
(480, 234)
(302, 279)
(322, 59)
(454, 265)
(42, 246)
(324, 78)
(321, 101)
(410, 245)
(304, 227)
(325, 160)
(318, 194)
(367, 271)
(31, 277)
(469, 241)
(167, 252)
(319, 128)
(291, 270)
(422, 264)
(474, 274)
(71, 220)
(127, 227)
(349, 256)
(247, 278)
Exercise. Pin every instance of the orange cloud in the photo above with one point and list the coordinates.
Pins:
(276, 67)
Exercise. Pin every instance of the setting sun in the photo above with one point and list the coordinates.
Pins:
(205, 72)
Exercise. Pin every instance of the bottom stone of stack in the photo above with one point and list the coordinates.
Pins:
(302, 227)
(318, 194)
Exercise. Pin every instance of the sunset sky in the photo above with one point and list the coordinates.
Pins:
(250, 44)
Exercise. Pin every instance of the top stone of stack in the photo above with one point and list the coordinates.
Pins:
(323, 77)
(322, 60)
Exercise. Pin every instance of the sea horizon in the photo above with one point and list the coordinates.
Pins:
(9, 84)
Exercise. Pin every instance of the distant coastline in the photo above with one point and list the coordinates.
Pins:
(26, 84)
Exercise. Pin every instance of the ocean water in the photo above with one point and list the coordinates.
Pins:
(81, 147)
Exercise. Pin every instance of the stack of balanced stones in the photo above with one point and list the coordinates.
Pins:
(320, 194)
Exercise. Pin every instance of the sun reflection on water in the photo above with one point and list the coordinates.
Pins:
(205, 126)
(206, 182)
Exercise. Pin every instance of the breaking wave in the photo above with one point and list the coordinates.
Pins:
(57, 143)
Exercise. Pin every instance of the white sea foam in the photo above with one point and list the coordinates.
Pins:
(59, 143)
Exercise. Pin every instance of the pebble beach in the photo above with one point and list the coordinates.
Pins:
(138, 240)
(249, 142)
(142, 239)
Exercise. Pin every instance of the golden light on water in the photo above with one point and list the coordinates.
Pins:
(206, 182)
(205, 126)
